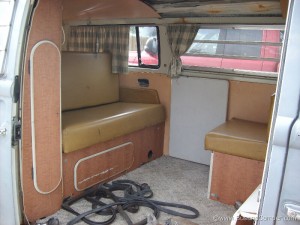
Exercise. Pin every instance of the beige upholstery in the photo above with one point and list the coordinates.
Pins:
(93, 111)
(86, 127)
(240, 138)
(139, 95)
(87, 80)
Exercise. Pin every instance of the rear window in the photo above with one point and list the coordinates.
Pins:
(144, 47)
(235, 50)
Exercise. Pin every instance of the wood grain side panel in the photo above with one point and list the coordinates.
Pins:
(162, 84)
(284, 7)
(148, 139)
(234, 178)
(47, 116)
(250, 101)
(101, 166)
(46, 25)
(106, 9)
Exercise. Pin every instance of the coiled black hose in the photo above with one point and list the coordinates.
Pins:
(135, 195)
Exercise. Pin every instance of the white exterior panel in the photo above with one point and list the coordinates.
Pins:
(281, 182)
(10, 212)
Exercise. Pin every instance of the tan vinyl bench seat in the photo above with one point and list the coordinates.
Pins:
(239, 138)
(89, 126)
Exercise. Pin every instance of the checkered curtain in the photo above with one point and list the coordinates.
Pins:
(113, 39)
(180, 38)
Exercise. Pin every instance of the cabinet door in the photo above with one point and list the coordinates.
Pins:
(197, 106)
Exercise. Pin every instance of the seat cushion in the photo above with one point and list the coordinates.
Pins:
(86, 127)
(240, 138)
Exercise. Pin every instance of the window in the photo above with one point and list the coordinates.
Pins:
(235, 50)
(144, 47)
(6, 9)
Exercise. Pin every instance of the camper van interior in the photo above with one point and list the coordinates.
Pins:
(176, 94)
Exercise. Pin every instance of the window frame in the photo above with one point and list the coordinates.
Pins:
(140, 64)
(238, 73)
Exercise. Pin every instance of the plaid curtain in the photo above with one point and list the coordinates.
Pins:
(180, 38)
(113, 39)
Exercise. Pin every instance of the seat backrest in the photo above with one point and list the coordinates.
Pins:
(86, 80)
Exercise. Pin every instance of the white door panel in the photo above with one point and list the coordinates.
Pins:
(10, 210)
(281, 182)
(197, 106)
(6, 179)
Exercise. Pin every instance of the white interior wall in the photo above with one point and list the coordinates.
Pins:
(197, 106)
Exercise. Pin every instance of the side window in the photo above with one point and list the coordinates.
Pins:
(6, 9)
(144, 48)
(198, 47)
(237, 49)
(241, 36)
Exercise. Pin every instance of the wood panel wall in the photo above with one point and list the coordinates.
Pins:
(250, 101)
(46, 25)
(234, 178)
(142, 141)
(246, 100)
(284, 7)
(162, 84)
